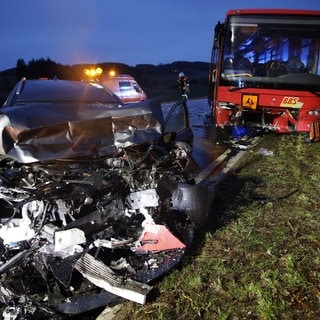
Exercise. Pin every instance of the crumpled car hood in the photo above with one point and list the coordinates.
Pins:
(93, 226)
(40, 132)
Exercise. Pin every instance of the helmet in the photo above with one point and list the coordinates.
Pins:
(181, 74)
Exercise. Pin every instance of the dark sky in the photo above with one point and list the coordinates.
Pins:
(126, 31)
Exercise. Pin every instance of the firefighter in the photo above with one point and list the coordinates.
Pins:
(183, 84)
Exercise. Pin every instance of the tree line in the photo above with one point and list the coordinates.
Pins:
(44, 68)
(158, 81)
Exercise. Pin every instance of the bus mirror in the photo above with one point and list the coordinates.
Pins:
(217, 35)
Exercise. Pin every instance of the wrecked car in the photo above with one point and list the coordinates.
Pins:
(97, 199)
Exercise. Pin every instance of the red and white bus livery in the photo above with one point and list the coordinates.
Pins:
(265, 70)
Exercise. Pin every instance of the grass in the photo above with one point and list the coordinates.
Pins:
(258, 255)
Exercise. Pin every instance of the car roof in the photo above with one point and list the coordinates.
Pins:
(38, 91)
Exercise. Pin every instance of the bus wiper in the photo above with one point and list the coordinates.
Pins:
(237, 88)
(241, 85)
(231, 89)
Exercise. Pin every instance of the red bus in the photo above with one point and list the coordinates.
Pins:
(265, 70)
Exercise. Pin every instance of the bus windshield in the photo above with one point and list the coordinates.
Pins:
(271, 51)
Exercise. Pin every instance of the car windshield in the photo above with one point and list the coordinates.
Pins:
(57, 91)
(268, 51)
